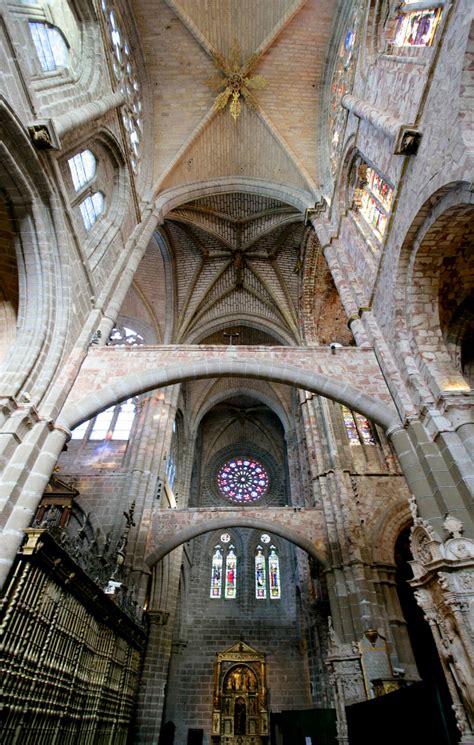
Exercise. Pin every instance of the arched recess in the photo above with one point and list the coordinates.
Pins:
(132, 385)
(222, 523)
(9, 290)
(276, 335)
(221, 396)
(434, 279)
(44, 283)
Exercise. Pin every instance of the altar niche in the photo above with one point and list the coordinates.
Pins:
(240, 714)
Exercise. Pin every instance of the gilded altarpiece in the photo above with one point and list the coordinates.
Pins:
(240, 713)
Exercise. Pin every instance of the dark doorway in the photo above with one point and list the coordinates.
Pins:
(195, 736)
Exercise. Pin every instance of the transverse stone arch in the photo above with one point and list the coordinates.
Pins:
(135, 384)
(222, 523)
(176, 196)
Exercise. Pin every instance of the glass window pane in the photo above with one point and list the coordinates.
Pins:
(231, 574)
(102, 425)
(79, 432)
(50, 46)
(274, 574)
(91, 208)
(216, 573)
(83, 168)
(260, 575)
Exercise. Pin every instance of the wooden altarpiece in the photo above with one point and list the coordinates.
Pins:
(240, 713)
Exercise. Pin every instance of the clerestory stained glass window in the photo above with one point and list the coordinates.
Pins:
(418, 28)
(357, 427)
(216, 573)
(243, 480)
(373, 197)
(260, 575)
(231, 574)
(274, 574)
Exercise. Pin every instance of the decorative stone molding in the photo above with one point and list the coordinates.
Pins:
(345, 677)
(444, 588)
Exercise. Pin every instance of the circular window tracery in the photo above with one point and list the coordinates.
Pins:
(242, 480)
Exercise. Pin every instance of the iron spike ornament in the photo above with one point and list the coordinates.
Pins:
(236, 82)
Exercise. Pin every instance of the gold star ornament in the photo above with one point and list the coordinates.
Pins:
(236, 82)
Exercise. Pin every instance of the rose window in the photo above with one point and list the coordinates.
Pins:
(242, 480)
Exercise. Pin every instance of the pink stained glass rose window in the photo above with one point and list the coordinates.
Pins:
(242, 480)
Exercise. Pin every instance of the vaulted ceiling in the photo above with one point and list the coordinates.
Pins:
(238, 259)
(192, 47)
(236, 89)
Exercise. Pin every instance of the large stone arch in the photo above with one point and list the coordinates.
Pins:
(199, 527)
(175, 196)
(43, 278)
(433, 233)
(135, 384)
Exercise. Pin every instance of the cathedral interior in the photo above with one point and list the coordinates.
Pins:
(237, 372)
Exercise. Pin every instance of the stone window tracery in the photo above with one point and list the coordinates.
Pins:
(125, 75)
(50, 45)
(125, 336)
(242, 480)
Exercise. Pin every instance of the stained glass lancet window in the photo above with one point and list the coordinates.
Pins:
(342, 80)
(260, 575)
(274, 574)
(243, 480)
(373, 197)
(216, 573)
(357, 427)
(231, 574)
(416, 28)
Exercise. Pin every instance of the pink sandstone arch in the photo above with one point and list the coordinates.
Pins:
(170, 374)
(233, 521)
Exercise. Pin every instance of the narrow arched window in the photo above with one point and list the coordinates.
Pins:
(216, 573)
(231, 574)
(91, 209)
(50, 45)
(83, 167)
(274, 574)
(375, 201)
(260, 575)
(114, 423)
(357, 427)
